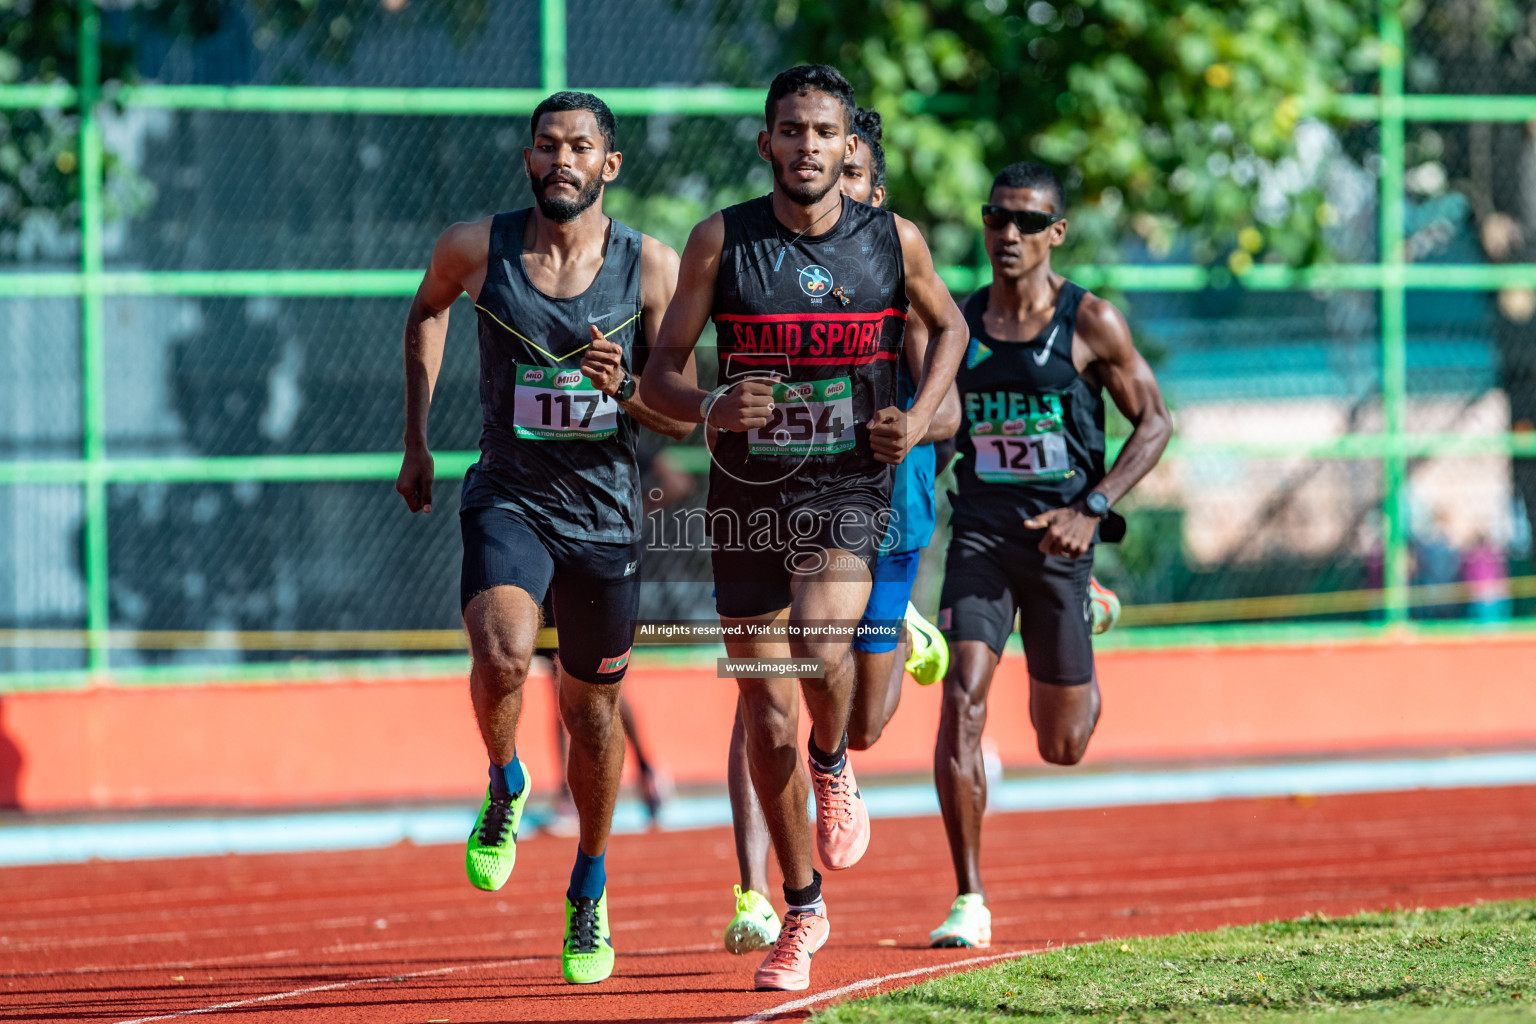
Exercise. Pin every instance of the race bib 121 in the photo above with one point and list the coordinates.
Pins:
(1020, 450)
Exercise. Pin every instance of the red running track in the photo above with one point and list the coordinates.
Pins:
(397, 935)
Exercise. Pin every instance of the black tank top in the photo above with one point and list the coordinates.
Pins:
(1032, 437)
(826, 313)
(554, 449)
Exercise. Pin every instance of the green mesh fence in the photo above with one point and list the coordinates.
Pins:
(199, 355)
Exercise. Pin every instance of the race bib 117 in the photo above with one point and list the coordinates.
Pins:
(560, 405)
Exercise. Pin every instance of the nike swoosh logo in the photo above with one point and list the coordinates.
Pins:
(598, 319)
(1045, 353)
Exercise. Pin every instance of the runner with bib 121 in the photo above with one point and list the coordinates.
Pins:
(1033, 498)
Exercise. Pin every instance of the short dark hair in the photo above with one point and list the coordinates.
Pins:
(1025, 174)
(866, 125)
(804, 78)
(569, 100)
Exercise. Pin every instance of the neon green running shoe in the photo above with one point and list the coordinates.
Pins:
(755, 926)
(587, 956)
(1104, 606)
(930, 654)
(492, 848)
(969, 924)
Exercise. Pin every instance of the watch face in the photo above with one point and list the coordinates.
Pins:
(1096, 503)
(626, 389)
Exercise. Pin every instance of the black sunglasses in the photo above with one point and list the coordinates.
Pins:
(1029, 222)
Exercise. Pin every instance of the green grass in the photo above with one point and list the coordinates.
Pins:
(1463, 965)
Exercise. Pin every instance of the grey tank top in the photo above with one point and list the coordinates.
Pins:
(553, 449)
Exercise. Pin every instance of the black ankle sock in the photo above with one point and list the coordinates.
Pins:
(807, 896)
(830, 762)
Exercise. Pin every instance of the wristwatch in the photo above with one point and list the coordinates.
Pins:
(1096, 504)
(626, 389)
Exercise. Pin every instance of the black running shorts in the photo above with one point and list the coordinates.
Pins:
(757, 553)
(593, 588)
(987, 578)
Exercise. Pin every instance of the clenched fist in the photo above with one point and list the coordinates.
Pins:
(603, 364)
(746, 406)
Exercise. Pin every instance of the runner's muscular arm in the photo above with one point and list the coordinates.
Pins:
(458, 261)
(928, 297)
(1133, 387)
(947, 420)
(603, 361)
(666, 387)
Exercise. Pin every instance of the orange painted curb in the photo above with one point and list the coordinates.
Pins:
(347, 741)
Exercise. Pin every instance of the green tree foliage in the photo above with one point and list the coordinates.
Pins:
(1176, 122)
(39, 44)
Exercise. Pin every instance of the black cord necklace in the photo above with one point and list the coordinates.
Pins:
(784, 246)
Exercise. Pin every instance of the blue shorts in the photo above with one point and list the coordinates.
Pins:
(893, 576)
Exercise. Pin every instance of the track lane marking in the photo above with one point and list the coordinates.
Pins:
(463, 905)
(330, 831)
(275, 996)
(859, 986)
(46, 943)
(276, 954)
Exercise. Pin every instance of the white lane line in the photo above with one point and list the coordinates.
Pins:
(309, 832)
(276, 954)
(403, 904)
(395, 921)
(275, 996)
(859, 986)
(11, 931)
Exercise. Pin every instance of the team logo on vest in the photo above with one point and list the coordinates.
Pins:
(977, 353)
(568, 379)
(815, 280)
(532, 376)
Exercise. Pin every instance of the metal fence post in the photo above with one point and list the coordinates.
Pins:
(1394, 317)
(92, 329)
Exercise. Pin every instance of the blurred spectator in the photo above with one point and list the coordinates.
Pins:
(1435, 561)
(1485, 570)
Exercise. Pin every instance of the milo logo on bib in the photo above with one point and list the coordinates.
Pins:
(564, 407)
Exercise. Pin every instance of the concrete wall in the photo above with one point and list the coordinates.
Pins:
(342, 741)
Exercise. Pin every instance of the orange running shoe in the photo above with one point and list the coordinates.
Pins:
(1104, 606)
(842, 820)
(788, 966)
